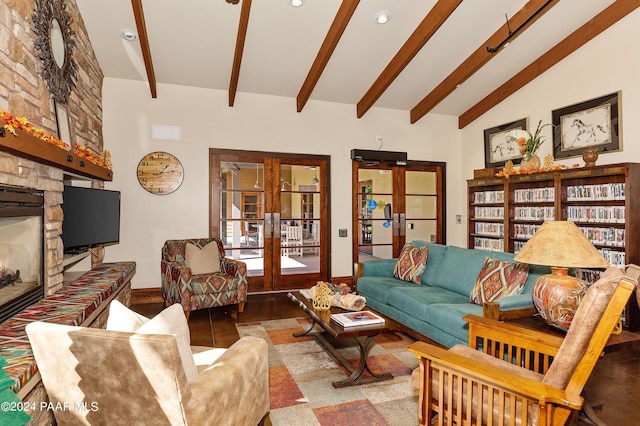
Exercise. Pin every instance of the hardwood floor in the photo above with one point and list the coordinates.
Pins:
(615, 382)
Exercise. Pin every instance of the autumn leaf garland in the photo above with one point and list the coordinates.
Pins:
(12, 123)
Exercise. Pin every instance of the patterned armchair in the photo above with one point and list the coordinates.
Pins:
(201, 291)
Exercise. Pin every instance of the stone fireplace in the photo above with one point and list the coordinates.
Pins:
(21, 250)
(24, 93)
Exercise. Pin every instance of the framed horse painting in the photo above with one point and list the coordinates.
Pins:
(499, 146)
(591, 124)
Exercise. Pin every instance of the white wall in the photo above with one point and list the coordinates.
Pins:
(256, 122)
(606, 64)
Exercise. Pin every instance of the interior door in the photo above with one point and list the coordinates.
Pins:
(300, 215)
(394, 205)
(271, 212)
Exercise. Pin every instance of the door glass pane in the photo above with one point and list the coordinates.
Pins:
(299, 224)
(381, 180)
(300, 247)
(421, 182)
(242, 213)
(421, 206)
(375, 220)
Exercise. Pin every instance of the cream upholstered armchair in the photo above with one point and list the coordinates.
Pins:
(521, 377)
(150, 376)
(197, 275)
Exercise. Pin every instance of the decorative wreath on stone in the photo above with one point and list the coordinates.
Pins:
(60, 79)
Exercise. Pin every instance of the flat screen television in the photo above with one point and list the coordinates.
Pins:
(91, 217)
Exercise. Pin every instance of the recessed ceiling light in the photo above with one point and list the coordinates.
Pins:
(128, 35)
(383, 17)
(296, 3)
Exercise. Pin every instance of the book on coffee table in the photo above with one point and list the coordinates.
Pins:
(352, 319)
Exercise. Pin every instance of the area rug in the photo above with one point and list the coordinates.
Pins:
(301, 373)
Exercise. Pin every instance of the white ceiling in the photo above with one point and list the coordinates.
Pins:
(192, 43)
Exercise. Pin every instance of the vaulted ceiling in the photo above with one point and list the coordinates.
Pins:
(431, 56)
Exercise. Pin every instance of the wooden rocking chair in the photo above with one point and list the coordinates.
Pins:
(519, 376)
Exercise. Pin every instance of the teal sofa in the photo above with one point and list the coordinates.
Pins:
(436, 307)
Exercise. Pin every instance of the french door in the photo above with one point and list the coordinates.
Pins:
(393, 205)
(271, 212)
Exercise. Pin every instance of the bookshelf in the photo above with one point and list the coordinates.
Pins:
(603, 201)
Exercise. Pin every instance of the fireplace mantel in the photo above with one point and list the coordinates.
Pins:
(30, 147)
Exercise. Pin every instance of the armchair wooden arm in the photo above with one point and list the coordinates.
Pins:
(492, 310)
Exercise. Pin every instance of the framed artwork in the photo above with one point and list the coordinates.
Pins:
(499, 147)
(64, 129)
(591, 124)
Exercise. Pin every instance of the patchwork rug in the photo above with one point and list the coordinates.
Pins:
(301, 373)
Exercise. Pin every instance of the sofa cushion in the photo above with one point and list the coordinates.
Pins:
(436, 254)
(378, 287)
(460, 267)
(411, 263)
(173, 321)
(448, 317)
(499, 278)
(205, 260)
(416, 301)
(122, 318)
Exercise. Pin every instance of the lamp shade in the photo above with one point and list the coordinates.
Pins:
(561, 244)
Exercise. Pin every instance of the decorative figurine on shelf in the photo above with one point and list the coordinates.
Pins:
(322, 297)
(590, 155)
(508, 166)
(549, 162)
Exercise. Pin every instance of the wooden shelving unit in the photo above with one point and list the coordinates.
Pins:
(27, 146)
(603, 201)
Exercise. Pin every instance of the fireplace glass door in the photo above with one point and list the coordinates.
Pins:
(21, 250)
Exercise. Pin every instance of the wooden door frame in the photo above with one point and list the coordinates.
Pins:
(398, 204)
(271, 177)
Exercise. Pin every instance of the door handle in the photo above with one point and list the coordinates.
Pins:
(403, 229)
(396, 224)
(276, 226)
(267, 225)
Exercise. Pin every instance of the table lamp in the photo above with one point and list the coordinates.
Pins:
(560, 245)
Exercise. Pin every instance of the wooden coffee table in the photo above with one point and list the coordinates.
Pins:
(363, 335)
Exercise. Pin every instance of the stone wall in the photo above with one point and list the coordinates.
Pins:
(24, 93)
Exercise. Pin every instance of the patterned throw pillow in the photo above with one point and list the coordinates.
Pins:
(411, 263)
(497, 279)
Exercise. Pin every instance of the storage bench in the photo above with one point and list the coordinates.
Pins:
(83, 302)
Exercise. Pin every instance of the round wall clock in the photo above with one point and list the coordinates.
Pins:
(160, 173)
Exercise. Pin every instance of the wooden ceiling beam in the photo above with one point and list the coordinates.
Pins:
(339, 24)
(524, 17)
(237, 57)
(141, 27)
(422, 34)
(571, 43)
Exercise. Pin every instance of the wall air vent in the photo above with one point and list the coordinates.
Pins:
(370, 156)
